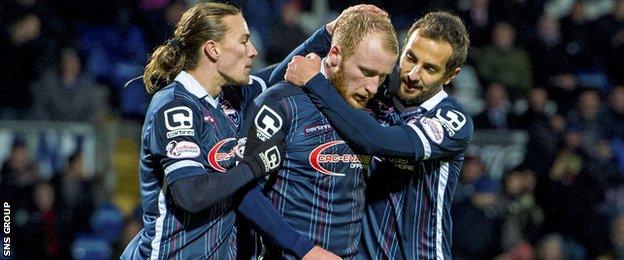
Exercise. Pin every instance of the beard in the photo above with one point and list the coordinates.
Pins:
(415, 100)
(339, 80)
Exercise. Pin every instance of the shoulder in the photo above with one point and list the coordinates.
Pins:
(172, 98)
(262, 76)
(278, 92)
(454, 118)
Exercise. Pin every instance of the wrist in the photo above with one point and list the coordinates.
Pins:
(319, 77)
(302, 246)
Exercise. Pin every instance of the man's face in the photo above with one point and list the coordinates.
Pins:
(358, 77)
(423, 69)
(236, 51)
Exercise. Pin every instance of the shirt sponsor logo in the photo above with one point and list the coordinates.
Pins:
(317, 129)
(217, 155)
(181, 132)
(402, 164)
(182, 149)
(433, 128)
(317, 157)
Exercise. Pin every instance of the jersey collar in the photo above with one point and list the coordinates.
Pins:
(191, 85)
(323, 71)
(430, 103)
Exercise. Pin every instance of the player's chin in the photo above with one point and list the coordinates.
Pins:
(358, 104)
(243, 80)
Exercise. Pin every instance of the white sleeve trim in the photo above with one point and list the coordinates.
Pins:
(182, 164)
(423, 139)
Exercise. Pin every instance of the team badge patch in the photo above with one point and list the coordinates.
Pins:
(433, 128)
(182, 149)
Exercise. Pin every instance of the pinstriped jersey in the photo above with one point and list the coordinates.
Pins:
(187, 133)
(319, 189)
(408, 212)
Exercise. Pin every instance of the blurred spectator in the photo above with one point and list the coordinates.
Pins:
(522, 15)
(616, 237)
(540, 110)
(472, 240)
(611, 119)
(557, 247)
(594, 8)
(570, 196)
(585, 119)
(612, 29)
(545, 130)
(46, 234)
(576, 30)
(502, 61)
(472, 170)
(29, 35)
(158, 18)
(74, 188)
(288, 26)
(602, 167)
(68, 94)
(522, 216)
(131, 227)
(548, 52)
(19, 60)
(19, 172)
(498, 113)
(479, 19)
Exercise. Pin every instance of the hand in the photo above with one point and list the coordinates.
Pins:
(331, 26)
(264, 157)
(302, 69)
(320, 253)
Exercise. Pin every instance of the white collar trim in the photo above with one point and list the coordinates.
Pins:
(430, 103)
(193, 86)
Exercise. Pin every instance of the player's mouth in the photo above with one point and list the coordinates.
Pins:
(360, 99)
(411, 88)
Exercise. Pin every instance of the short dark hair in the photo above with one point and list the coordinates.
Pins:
(443, 26)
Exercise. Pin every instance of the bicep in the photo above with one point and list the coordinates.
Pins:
(175, 141)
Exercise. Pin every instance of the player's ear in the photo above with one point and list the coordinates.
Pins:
(211, 50)
(335, 56)
(452, 75)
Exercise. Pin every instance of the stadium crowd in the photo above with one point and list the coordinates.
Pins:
(552, 68)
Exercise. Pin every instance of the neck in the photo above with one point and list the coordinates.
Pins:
(210, 80)
(327, 68)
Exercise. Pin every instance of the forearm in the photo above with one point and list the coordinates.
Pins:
(197, 193)
(358, 128)
(318, 43)
(256, 208)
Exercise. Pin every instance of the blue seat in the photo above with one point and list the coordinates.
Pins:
(107, 222)
(86, 246)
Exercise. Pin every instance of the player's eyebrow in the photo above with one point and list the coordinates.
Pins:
(371, 71)
(245, 37)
